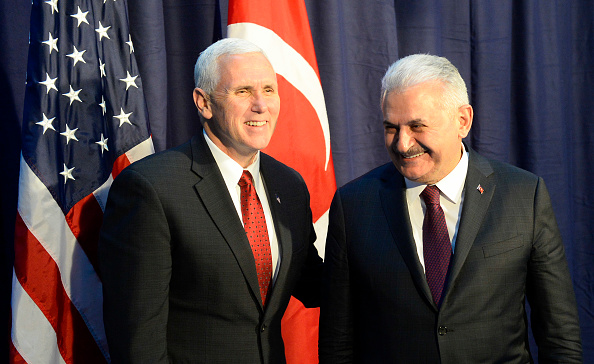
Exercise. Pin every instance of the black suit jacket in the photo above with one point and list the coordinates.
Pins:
(178, 272)
(377, 307)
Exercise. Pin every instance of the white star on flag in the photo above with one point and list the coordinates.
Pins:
(52, 43)
(102, 104)
(102, 68)
(77, 56)
(123, 117)
(67, 173)
(53, 4)
(73, 95)
(46, 123)
(129, 42)
(80, 16)
(129, 80)
(102, 31)
(50, 83)
(103, 144)
(69, 134)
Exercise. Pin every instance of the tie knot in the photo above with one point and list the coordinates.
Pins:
(431, 195)
(246, 179)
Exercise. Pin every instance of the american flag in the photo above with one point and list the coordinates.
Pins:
(85, 120)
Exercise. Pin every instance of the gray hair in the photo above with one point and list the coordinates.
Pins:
(418, 68)
(207, 70)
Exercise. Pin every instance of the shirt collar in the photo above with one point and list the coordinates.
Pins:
(452, 185)
(230, 169)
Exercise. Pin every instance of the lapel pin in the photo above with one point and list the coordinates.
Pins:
(277, 198)
(480, 189)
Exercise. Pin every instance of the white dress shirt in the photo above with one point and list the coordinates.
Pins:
(450, 197)
(232, 171)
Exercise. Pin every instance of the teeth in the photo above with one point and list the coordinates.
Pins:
(256, 123)
(413, 156)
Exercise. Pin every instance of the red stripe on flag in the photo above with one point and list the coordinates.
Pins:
(84, 219)
(298, 141)
(288, 19)
(39, 276)
(14, 357)
(119, 165)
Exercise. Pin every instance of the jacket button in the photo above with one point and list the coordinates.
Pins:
(263, 328)
(442, 330)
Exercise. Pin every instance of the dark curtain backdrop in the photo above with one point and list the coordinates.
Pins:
(529, 66)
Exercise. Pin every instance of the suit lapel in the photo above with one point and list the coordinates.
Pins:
(214, 195)
(275, 192)
(393, 200)
(474, 209)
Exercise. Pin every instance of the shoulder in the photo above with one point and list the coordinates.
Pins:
(502, 172)
(371, 181)
(162, 163)
(170, 167)
(271, 167)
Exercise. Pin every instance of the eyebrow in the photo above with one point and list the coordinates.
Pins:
(251, 87)
(413, 121)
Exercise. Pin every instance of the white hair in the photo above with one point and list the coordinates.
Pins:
(207, 70)
(418, 68)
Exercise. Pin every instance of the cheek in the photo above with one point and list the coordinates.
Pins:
(388, 139)
(274, 107)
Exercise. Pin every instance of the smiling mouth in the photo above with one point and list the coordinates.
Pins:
(256, 123)
(410, 156)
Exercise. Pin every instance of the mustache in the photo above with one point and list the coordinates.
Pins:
(414, 150)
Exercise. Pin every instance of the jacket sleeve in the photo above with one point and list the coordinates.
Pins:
(336, 321)
(549, 289)
(307, 290)
(135, 264)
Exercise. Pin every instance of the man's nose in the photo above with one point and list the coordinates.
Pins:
(405, 140)
(259, 103)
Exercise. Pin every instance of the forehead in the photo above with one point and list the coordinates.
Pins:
(246, 67)
(414, 102)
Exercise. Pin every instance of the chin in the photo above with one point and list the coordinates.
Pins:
(415, 177)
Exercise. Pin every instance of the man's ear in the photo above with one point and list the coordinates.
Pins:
(464, 115)
(203, 104)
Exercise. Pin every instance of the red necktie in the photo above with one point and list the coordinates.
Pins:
(437, 249)
(254, 223)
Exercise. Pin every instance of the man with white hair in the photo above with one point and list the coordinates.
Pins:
(430, 258)
(203, 245)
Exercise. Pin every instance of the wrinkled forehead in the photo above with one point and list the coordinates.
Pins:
(244, 60)
(248, 68)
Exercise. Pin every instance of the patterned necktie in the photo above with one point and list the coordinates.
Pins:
(437, 249)
(254, 223)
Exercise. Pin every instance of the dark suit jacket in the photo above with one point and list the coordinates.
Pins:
(178, 272)
(377, 307)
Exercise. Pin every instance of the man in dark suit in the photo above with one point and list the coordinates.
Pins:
(183, 281)
(440, 274)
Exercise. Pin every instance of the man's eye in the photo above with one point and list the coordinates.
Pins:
(389, 128)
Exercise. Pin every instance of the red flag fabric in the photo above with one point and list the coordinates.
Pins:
(302, 137)
(85, 120)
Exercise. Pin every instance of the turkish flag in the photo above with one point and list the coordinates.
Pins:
(302, 136)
